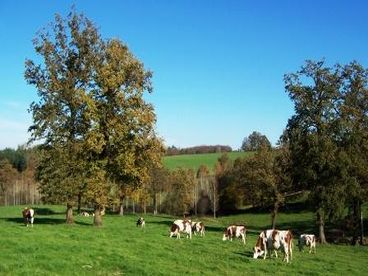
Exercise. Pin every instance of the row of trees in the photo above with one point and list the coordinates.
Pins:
(17, 182)
(172, 150)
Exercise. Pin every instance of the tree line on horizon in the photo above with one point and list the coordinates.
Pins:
(99, 147)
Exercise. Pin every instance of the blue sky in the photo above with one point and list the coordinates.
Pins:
(218, 65)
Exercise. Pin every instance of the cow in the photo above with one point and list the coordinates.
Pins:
(84, 214)
(234, 231)
(198, 227)
(141, 222)
(308, 240)
(179, 226)
(28, 216)
(274, 240)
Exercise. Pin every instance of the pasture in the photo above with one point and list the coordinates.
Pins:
(194, 161)
(120, 248)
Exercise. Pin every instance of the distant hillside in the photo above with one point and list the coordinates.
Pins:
(193, 161)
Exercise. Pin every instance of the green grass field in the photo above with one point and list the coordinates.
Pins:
(120, 248)
(194, 161)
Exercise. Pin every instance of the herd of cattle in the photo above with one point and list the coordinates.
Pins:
(268, 241)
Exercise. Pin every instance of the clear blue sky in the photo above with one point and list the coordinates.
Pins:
(218, 65)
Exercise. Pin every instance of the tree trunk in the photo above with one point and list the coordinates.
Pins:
(160, 202)
(69, 214)
(361, 227)
(79, 203)
(357, 223)
(155, 204)
(133, 206)
(321, 226)
(121, 208)
(214, 199)
(98, 218)
(274, 214)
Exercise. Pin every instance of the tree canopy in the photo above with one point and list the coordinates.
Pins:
(255, 141)
(91, 118)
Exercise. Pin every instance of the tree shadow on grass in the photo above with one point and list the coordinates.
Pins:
(46, 212)
(45, 221)
(299, 227)
(37, 220)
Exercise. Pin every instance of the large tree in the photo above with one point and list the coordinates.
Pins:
(95, 128)
(327, 135)
(354, 139)
(68, 50)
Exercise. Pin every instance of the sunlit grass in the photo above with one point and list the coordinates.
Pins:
(194, 161)
(119, 247)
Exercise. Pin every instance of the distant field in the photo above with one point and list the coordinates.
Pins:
(194, 161)
(120, 248)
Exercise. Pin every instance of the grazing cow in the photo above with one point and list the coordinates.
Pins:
(308, 240)
(274, 240)
(198, 227)
(180, 225)
(84, 214)
(234, 231)
(28, 215)
(141, 222)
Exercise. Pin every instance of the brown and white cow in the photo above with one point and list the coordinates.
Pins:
(198, 227)
(180, 225)
(28, 216)
(141, 222)
(272, 239)
(84, 214)
(308, 240)
(234, 231)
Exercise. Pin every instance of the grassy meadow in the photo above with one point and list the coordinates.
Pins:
(119, 248)
(194, 161)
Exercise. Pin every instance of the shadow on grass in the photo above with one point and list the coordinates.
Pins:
(45, 221)
(46, 211)
(248, 254)
(299, 227)
(38, 220)
(290, 207)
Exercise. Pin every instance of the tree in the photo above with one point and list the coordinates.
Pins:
(121, 135)
(354, 139)
(319, 163)
(63, 81)
(93, 122)
(224, 190)
(263, 179)
(203, 180)
(159, 179)
(255, 141)
(180, 196)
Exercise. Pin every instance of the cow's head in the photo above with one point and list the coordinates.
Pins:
(257, 252)
(226, 235)
(259, 248)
